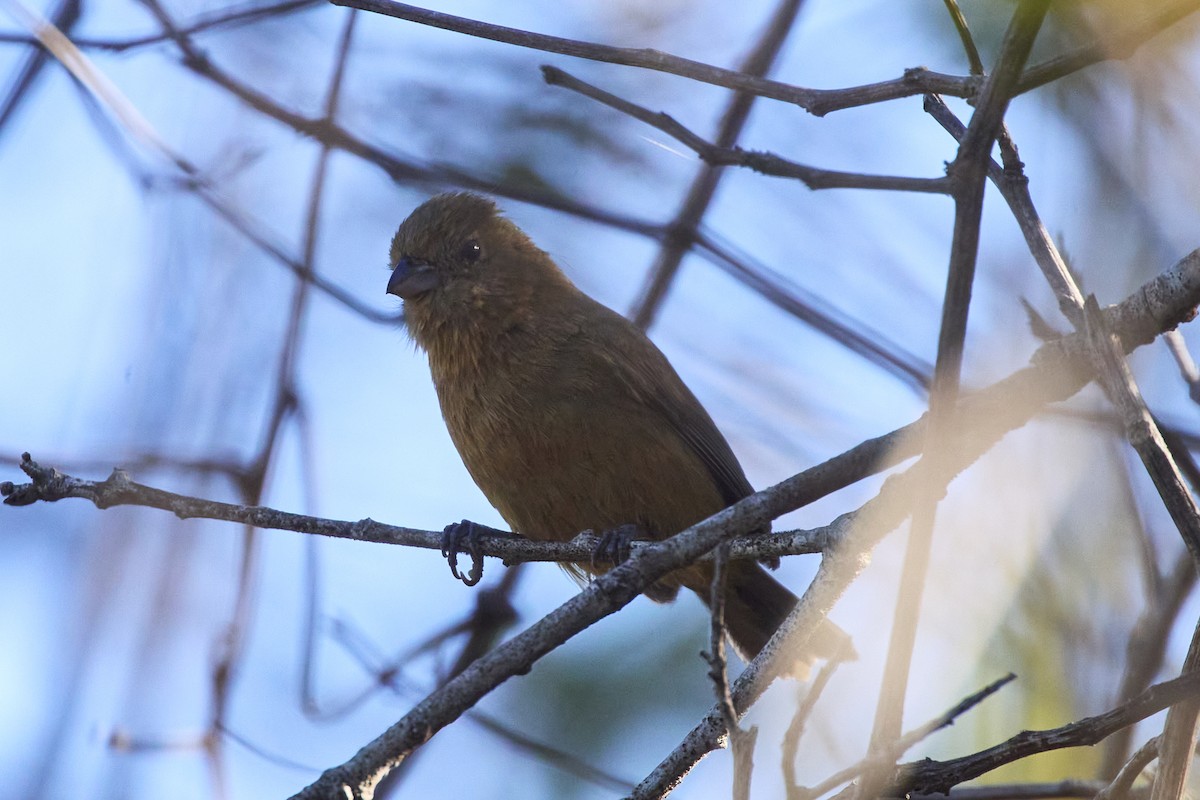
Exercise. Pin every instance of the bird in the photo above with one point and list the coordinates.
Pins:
(566, 415)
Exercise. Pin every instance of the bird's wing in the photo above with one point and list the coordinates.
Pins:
(642, 368)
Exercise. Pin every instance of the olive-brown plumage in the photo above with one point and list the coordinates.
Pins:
(566, 415)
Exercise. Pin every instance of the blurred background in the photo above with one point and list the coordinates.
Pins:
(203, 304)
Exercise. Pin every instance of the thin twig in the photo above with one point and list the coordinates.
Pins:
(1141, 430)
(228, 17)
(1122, 783)
(905, 742)
(939, 776)
(741, 740)
(1187, 365)
(790, 746)
(1116, 46)
(1014, 187)
(762, 162)
(819, 102)
(964, 34)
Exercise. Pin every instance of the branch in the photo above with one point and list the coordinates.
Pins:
(761, 162)
(906, 742)
(969, 173)
(49, 485)
(1059, 369)
(928, 777)
(695, 204)
(605, 595)
(818, 102)
(1118, 46)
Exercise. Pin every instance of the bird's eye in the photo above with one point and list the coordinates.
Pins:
(471, 251)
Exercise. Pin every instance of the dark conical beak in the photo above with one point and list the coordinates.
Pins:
(412, 278)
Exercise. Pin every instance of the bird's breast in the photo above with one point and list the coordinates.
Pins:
(558, 450)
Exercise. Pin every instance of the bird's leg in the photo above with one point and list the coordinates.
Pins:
(614, 545)
(455, 535)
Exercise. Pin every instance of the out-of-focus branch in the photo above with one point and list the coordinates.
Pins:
(64, 18)
(696, 202)
(1117, 46)
(225, 18)
(969, 175)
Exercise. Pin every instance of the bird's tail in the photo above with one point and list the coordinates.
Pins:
(756, 605)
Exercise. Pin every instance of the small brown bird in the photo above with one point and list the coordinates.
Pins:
(566, 414)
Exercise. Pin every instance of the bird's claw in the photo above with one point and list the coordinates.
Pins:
(614, 545)
(463, 537)
(454, 536)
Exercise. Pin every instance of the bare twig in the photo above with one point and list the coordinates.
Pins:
(816, 101)
(766, 163)
(964, 33)
(790, 746)
(1122, 783)
(50, 485)
(938, 776)
(1014, 187)
(1187, 365)
(1143, 433)
(741, 740)
(905, 742)
(1117, 46)
(225, 18)
(65, 15)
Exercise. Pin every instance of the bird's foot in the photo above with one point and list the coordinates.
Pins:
(614, 546)
(463, 537)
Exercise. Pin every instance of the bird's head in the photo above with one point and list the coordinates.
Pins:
(456, 261)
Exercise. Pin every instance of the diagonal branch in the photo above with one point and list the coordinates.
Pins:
(682, 229)
(1060, 368)
(939, 776)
